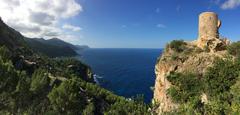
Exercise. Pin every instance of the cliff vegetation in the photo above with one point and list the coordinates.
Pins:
(198, 82)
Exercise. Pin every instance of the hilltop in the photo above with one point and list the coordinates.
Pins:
(53, 47)
(42, 46)
(201, 76)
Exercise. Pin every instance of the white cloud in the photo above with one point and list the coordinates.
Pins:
(71, 27)
(161, 26)
(38, 18)
(230, 4)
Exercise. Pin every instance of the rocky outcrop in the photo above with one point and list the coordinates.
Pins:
(208, 35)
(194, 62)
(196, 57)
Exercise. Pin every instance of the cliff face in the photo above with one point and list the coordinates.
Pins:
(193, 60)
(192, 57)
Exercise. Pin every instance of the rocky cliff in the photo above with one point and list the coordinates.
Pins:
(192, 57)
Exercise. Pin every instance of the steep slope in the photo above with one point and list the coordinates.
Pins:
(10, 37)
(58, 42)
(191, 61)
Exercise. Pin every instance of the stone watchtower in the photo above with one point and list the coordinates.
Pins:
(208, 35)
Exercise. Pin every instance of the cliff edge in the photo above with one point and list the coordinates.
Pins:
(189, 57)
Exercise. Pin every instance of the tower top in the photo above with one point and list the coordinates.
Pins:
(208, 35)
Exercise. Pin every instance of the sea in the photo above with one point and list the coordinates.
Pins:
(125, 72)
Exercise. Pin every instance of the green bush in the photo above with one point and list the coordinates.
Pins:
(4, 53)
(40, 81)
(192, 107)
(185, 86)
(67, 98)
(221, 76)
(178, 45)
(235, 91)
(234, 49)
(124, 107)
(89, 110)
(174, 56)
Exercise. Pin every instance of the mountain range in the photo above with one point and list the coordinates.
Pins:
(52, 47)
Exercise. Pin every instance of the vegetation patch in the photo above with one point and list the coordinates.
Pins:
(178, 45)
(220, 83)
(221, 76)
(55, 87)
(185, 86)
(234, 49)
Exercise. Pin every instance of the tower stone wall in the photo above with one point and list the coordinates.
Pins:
(208, 25)
(208, 35)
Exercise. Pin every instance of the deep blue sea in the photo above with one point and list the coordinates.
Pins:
(126, 72)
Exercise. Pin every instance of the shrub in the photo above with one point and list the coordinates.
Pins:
(206, 49)
(67, 98)
(235, 91)
(124, 107)
(4, 53)
(192, 107)
(221, 76)
(234, 49)
(89, 110)
(174, 56)
(40, 81)
(177, 45)
(185, 86)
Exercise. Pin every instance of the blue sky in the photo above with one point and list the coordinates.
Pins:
(138, 23)
(148, 23)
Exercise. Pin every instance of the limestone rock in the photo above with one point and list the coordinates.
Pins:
(195, 62)
(194, 58)
(208, 35)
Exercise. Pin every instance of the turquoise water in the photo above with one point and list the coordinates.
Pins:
(126, 72)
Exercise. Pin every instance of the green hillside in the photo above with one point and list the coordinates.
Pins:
(34, 84)
(50, 49)
(10, 37)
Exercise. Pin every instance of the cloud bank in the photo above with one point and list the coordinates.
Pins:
(40, 18)
(71, 27)
(230, 4)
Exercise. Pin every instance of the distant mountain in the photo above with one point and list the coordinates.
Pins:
(82, 46)
(13, 40)
(59, 42)
(52, 48)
